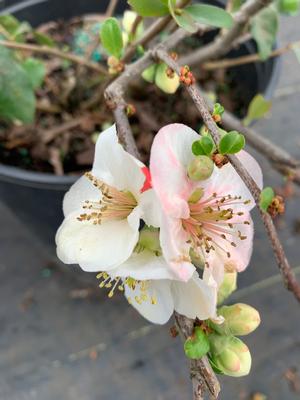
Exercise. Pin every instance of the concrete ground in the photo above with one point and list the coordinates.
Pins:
(56, 345)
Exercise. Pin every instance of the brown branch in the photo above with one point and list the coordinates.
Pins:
(233, 62)
(54, 52)
(202, 375)
(111, 8)
(223, 43)
(283, 264)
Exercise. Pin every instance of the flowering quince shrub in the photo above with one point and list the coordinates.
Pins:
(171, 238)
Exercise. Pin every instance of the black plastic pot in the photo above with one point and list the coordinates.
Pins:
(36, 198)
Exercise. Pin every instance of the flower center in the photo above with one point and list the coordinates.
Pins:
(119, 284)
(114, 204)
(213, 224)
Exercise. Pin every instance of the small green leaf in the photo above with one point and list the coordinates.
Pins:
(36, 71)
(257, 109)
(17, 100)
(9, 23)
(210, 15)
(43, 39)
(266, 198)
(111, 37)
(15, 28)
(289, 7)
(203, 147)
(218, 109)
(264, 29)
(150, 8)
(231, 143)
(196, 346)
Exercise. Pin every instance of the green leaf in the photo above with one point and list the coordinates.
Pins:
(196, 346)
(257, 109)
(203, 147)
(266, 198)
(111, 37)
(17, 100)
(264, 29)
(218, 109)
(15, 28)
(9, 23)
(210, 15)
(43, 40)
(231, 143)
(36, 71)
(150, 8)
(182, 18)
(289, 7)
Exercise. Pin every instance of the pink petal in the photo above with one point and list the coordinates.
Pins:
(170, 155)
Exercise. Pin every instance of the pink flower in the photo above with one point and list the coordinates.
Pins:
(206, 220)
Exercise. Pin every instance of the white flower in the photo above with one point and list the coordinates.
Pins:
(103, 209)
(155, 294)
(206, 220)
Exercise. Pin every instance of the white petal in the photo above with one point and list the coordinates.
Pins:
(170, 155)
(79, 192)
(115, 166)
(151, 208)
(160, 312)
(195, 298)
(144, 266)
(252, 167)
(173, 240)
(96, 247)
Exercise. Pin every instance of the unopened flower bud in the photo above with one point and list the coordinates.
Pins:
(200, 168)
(229, 355)
(149, 73)
(227, 287)
(167, 82)
(240, 319)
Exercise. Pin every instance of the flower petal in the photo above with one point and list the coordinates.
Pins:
(115, 166)
(158, 313)
(96, 247)
(195, 298)
(151, 208)
(80, 191)
(170, 155)
(173, 240)
(144, 266)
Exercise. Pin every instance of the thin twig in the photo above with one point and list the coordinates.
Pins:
(202, 374)
(54, 52)
(233, 62)
(111, 8)
(223, 43)
(283, 264)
